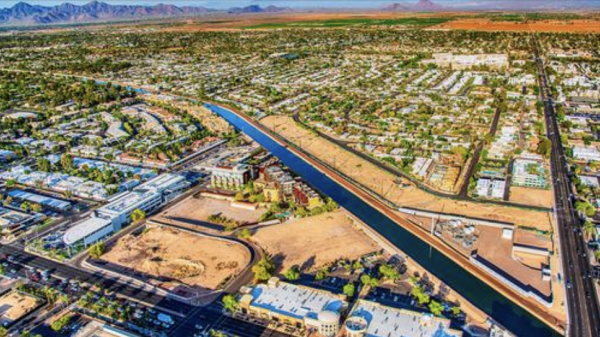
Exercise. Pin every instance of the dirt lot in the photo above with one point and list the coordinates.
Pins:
(193, 210)
(384, 183)
(184, 257)
(314, 241)
(498, 251)
(15, 305)
(531, 196)
(583, 26)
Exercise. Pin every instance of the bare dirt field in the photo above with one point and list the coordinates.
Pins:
(180, 256)
(582, 26)
(193, 210)
(531, 196)
(498, 251)
(315, 241)
(15, 305)
(384, 183)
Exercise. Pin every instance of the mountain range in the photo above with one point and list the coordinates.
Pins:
(23, 13)
(420, 6)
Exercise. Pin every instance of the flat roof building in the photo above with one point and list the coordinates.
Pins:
(294, 305)
(112, 216)
(371, 319)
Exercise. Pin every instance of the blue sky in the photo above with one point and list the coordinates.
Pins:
(308, 3)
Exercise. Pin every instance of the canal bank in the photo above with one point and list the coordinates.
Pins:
(454, 274)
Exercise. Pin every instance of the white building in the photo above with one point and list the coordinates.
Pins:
(491, 188)
(371, 319)
(586, 153)
(111, 217)
(294, 305)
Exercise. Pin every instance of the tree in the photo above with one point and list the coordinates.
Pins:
(36, 208)
(349, 289)
(292, 274)
(239, 196)
(137, 215)
(245, 233)
(2, 270)
(455, 310)
(544, 147)
(3, 331)
(66, 161)
(585, 207)
(10, 183)
(389, 272)
(60, 323)
(589, 228)
(369, 281)
(436, 308)
(230, 303)
(264, 269)
(420, 295)
(97, 250)
(44, 164)
(322, 274)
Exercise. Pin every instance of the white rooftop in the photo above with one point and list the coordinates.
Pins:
(84, 229)
(295, 301)
(386, 321)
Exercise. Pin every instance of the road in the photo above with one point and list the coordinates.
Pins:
(64, 271)
(582, 305)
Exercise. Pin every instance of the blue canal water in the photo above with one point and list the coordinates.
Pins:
(513, 317)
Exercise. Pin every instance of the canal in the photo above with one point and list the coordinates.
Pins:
(512, 316)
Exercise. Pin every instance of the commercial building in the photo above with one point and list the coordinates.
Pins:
(53, 203)
(111, 217)
(294, 305)
(12, 221)
(97, 329)
(371, 319)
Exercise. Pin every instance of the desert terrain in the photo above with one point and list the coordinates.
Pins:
(309, 243)
(179, 256)
(15, 305)
(563, 26)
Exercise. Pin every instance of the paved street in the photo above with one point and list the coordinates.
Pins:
(583, 312)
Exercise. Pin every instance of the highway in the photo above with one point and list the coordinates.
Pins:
(582, 304)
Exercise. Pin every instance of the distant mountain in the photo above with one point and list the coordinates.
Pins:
(24, 13)
(258, 9)
(421, 6)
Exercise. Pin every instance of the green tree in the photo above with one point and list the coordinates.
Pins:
(239, 196)
(585, 207)
(230, 303)
(36, 208)
(97, 250)
(292, 274)
(544, 147)
(66, 161)
(420, 295)
(589, 228)
(369, 281)
(3, 331)
(264, 269)
(10, 183)
(60, 323)
(349, 289)
(322, 274)
(436, 308)
(245, 233)
(43, 164)
(138, 215)
(389, 272)
(2, 270)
